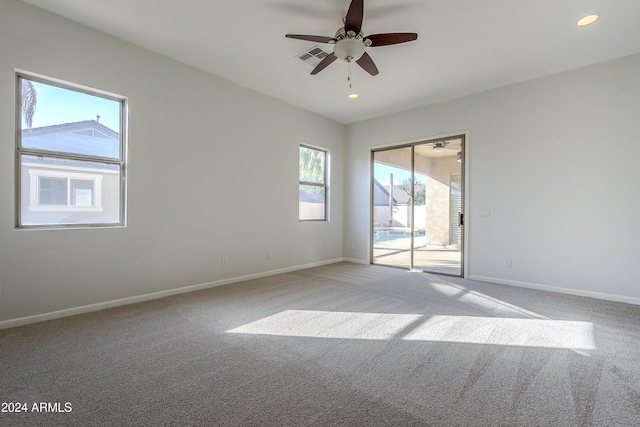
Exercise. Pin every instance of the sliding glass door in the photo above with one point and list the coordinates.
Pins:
(392, 206)
(417, 206)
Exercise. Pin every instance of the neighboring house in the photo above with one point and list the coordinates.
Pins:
(381, 195)
(57, 190)
(387, 205)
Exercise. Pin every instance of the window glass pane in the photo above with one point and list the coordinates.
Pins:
(68, 121)
(81, 192)
(52, 191)
(312, 165)
(66, 191)
(312, 202)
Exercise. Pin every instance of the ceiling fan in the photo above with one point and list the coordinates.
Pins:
(350, 43)
(439, 146)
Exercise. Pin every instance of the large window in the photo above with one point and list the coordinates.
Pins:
(314, 184)
(70, 155)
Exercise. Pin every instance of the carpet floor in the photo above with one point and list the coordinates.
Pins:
(338, 345)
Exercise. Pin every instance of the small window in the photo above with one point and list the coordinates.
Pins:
(70, 156)
(313, 185)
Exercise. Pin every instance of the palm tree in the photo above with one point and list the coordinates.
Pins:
(312, 163)
(29, 99)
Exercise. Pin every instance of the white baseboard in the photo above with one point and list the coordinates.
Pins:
(356, 261)
(11, 323)
(568, 291)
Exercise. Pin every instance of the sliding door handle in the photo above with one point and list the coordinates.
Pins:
(460, 219)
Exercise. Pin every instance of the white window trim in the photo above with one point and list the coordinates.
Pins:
(34, 203)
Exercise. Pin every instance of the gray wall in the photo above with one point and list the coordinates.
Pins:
(203, 153)
(555, 162)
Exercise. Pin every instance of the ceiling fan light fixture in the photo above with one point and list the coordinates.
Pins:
(438, 147)
(349, 49)
(589, 19)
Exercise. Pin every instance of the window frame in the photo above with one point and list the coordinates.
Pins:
(119, 162)
(324, 185)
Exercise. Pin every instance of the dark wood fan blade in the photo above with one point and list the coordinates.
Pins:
(353, 22)
(317, 39)
(390, 38)
(367, 64)
(324, 63)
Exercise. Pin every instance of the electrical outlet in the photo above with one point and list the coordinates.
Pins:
(267, 256)
(224, 262)
(508, 263)
(353, 246)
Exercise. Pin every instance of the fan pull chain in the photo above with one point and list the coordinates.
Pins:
(351, 95)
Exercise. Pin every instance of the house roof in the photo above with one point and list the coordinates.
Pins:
(88, 137)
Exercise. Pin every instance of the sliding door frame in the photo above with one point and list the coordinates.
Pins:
(464, 135)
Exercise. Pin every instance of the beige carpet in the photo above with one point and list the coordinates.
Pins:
(343, 344)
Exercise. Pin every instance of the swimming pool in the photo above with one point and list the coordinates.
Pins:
(387, 234)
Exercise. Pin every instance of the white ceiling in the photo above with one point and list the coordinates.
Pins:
(463, 46)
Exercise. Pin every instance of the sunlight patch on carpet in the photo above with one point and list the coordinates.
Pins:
(543, 333)
(330, 324)
(506, 331)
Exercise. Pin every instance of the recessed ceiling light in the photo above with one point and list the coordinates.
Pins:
(589, 19)
(352, 95)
